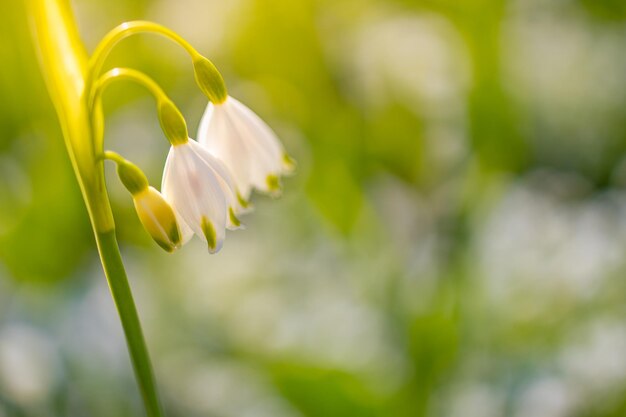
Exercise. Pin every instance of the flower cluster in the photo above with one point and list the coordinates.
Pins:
(208, 182)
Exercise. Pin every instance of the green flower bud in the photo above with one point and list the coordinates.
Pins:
(158, 218)
(172, 122)
(209, 80)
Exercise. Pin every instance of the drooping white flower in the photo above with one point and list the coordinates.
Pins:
(246, 144)
(202, 192)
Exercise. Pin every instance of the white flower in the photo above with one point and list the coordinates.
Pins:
(202, 192)
(246, 144)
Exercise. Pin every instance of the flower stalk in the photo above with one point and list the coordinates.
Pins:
(65, 67)
(207, 76)
(199, 194)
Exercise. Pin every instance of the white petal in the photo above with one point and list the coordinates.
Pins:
(206, 120)
(216, 134)
(193, 189)
(246, 144)
(262, 144)
(221, 171)
(265, 136)
(263, 160)
(229, 139)
(226, 183)
(166, 185)
(204, 186)
(185, 231)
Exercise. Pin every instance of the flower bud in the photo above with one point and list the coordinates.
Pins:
(155, 213)
(209, 80)
(158, 218)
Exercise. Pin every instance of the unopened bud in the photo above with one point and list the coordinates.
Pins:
(209, 80)
(158, 218)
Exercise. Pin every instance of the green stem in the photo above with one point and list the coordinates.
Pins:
(114, 156)
(125, 30)
(166, 107)
(120, 290)
(64, 66)
(207, 76)
(127, 74)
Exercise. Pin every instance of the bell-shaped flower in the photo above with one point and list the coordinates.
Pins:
(247, 145)
(202, 192)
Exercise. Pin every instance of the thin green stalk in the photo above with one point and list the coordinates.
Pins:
(125, 30)
(207, 76)
(169, 115)
(117, 74)
(120, 290)
(64, 66)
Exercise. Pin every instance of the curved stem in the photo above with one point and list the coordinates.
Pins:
(113, 156)
(126, 74)
(170, 118)
(123, 31)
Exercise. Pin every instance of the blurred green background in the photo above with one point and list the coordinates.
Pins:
(453, 244)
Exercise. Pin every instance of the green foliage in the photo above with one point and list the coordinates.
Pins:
(465, 249)
(325, 392)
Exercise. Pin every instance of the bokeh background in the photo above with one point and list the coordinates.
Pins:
(453, 243)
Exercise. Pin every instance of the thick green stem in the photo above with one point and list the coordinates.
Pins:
(118, 284)
(64, 65)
